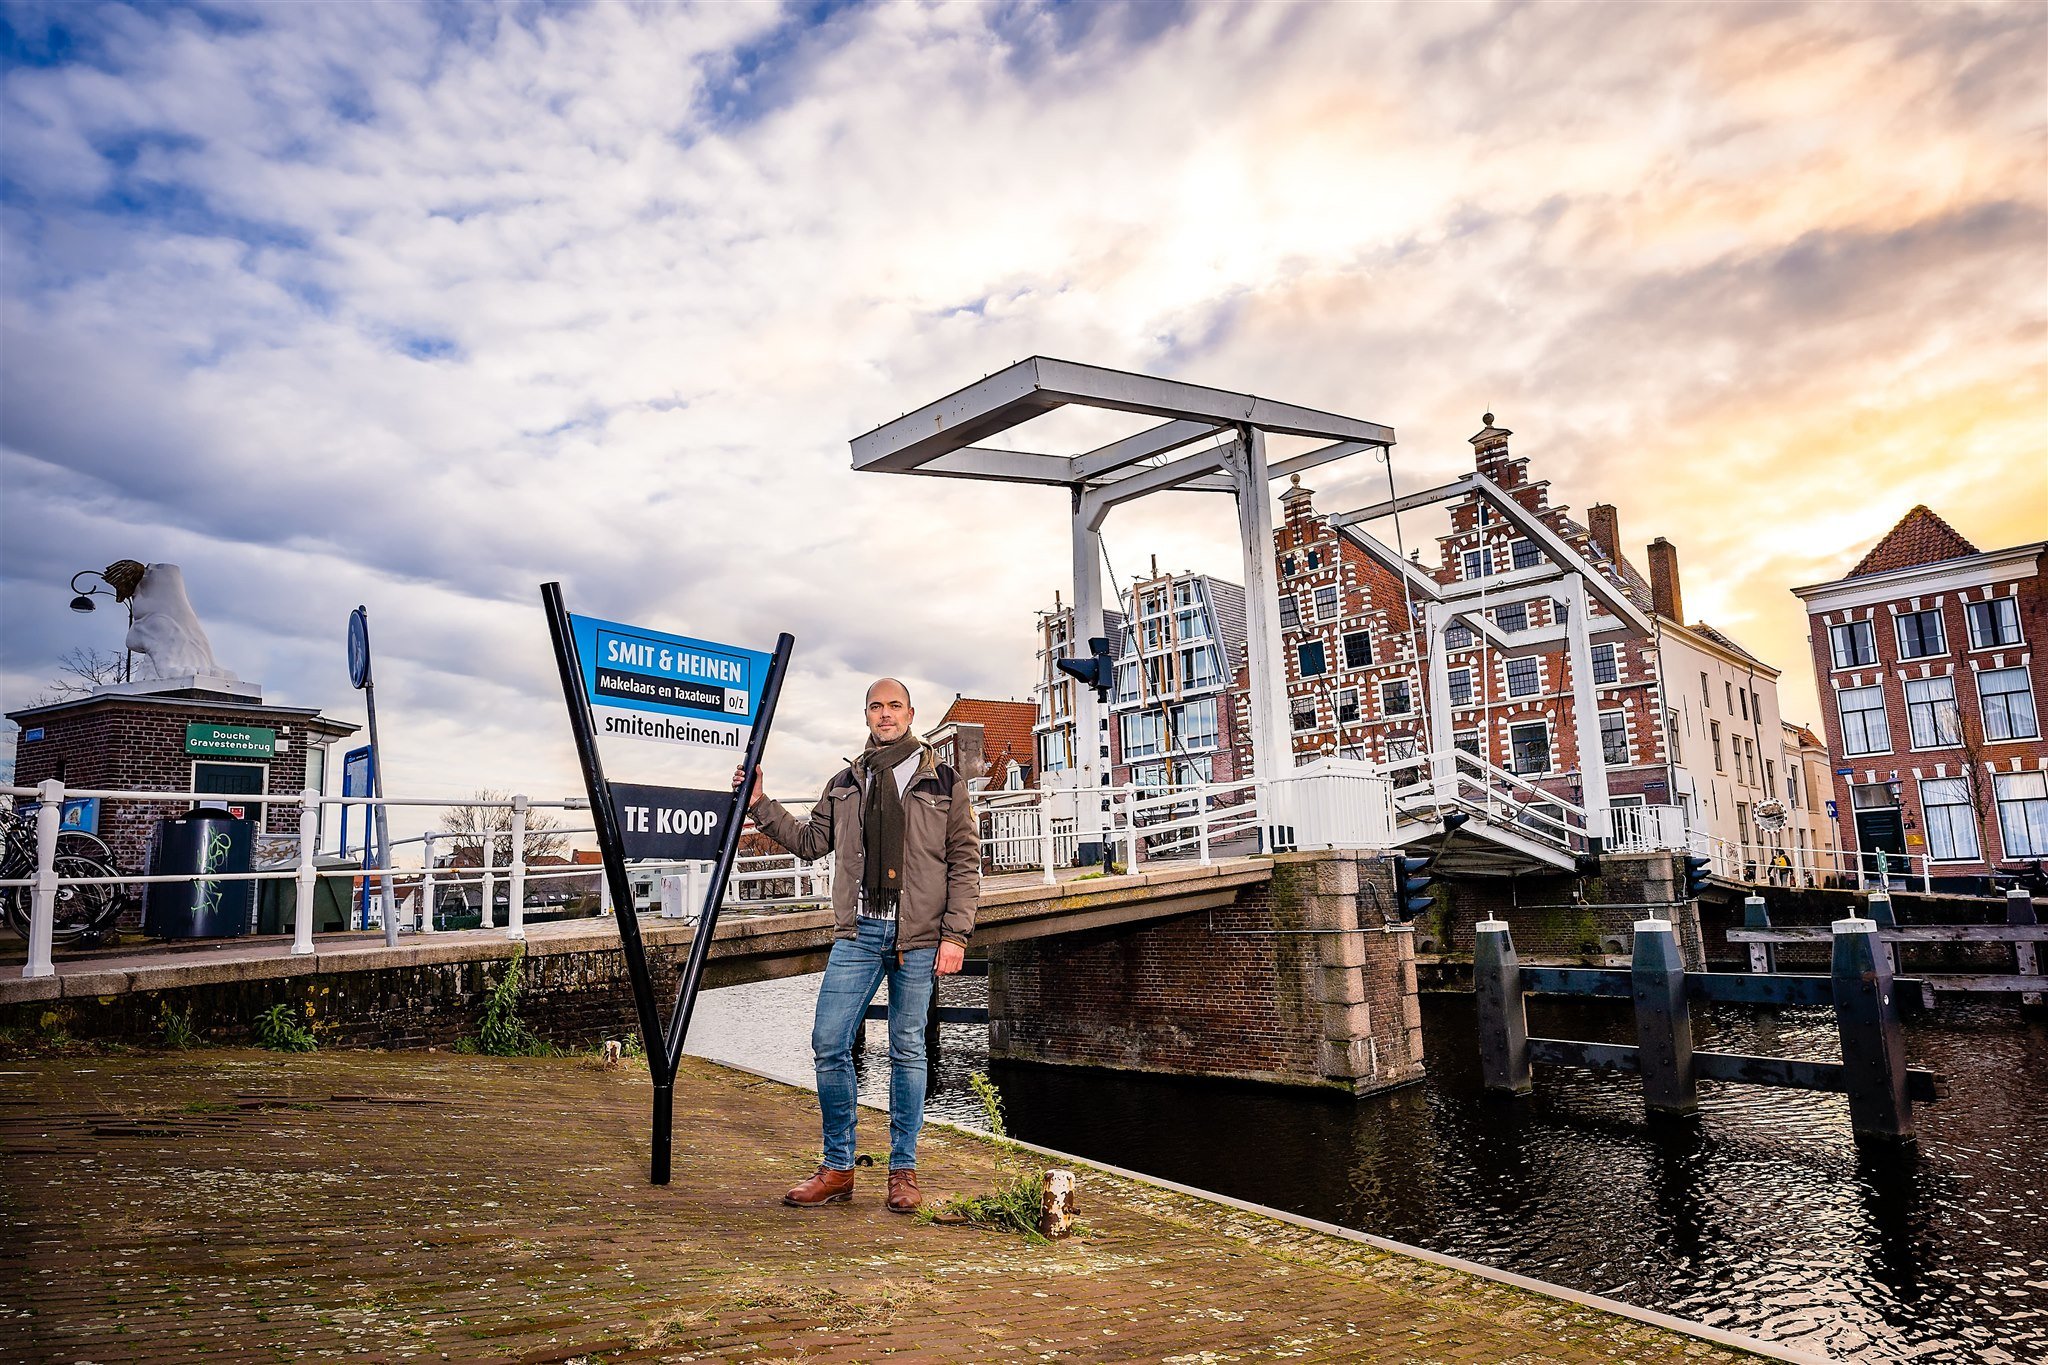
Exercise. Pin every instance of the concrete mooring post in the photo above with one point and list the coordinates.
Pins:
(1873, 1047)
(1663, 1021)
(1503, 1019)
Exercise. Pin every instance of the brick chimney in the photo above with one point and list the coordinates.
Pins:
(1603, 523)
(1664, 580)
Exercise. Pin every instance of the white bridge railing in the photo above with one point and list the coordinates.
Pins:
(1429, 784)
(45, 883)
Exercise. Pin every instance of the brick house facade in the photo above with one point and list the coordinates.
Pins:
(1355, 687)
(1931, 684)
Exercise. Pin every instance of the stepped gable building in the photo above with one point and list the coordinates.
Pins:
(1688, 718)
(988, 742)
(1931, 676)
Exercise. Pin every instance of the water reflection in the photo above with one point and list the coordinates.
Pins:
(1761, 1216)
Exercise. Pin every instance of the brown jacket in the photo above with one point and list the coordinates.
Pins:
(941, 851)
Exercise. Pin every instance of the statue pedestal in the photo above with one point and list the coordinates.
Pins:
(191, 685)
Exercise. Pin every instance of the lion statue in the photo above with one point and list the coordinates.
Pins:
(162, 624)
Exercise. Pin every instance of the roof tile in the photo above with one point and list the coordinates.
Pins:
(1921, 537)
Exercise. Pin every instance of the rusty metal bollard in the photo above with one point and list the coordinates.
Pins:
(1056, 1208)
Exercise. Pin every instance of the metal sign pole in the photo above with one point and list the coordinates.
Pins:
(664, 1045)
(360, 674)
(728, 852)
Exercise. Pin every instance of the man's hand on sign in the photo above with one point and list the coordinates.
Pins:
(951, 956)
(739, 775)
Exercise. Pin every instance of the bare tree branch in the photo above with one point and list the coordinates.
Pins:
(467, 828)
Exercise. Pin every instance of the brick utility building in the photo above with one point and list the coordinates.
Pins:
(196, 734)
(1931, 687)
(1688, 717)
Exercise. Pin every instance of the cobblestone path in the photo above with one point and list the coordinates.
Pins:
(227, 1205)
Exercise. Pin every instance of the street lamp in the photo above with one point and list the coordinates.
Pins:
(82, 603)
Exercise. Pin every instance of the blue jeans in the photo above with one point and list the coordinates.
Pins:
(852, 974)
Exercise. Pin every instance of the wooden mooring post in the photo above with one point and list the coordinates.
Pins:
(1663, 1021)
(1861, 990)
(1503, 1019)
(2019, 909)
(1873, 1046)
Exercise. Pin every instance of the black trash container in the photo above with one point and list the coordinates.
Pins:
(204, 839)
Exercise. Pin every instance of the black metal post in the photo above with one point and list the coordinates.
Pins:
(1663, 1021)
(931, 1040)
(728, 850)
(611, 844)
(1503, 1020)
(1873, 1048)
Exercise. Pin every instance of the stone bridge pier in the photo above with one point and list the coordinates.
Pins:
(1304, 979)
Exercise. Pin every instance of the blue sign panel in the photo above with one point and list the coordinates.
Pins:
(685, 691)
(80, 813)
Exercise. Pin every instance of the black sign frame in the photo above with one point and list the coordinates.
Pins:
(664, 1042)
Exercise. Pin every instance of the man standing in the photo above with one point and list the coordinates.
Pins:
(906, 878)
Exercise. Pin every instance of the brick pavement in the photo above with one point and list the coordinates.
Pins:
(230, 1205)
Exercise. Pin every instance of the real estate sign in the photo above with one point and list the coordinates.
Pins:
(668, 687)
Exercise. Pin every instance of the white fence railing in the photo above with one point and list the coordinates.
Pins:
(45, 883)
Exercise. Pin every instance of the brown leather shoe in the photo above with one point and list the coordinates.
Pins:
(826, 1187)
(903, 1195)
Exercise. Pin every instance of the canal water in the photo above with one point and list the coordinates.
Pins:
(1762, 1217)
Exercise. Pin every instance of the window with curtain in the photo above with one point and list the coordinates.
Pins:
(2023, 813)
(1853, 645)
(1920, 634)
(2008, 704)
(1864, 730)
(1931, 714)
(1951, 824)
(1996, 622)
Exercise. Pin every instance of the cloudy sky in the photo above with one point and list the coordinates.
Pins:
(418, 306)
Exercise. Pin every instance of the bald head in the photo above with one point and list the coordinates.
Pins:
(889, 713)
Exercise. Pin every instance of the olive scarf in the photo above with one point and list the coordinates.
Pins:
(881, 825)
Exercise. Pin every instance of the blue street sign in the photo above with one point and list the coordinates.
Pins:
(686, 691)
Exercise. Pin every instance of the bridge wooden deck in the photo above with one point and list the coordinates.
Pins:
(745, 946)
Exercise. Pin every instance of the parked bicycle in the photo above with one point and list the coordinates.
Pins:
(82, 914)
